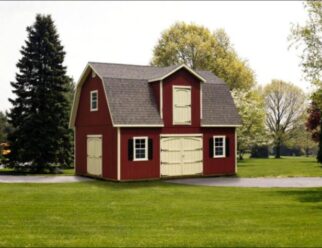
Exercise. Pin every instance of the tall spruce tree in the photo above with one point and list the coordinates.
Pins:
(41, 139)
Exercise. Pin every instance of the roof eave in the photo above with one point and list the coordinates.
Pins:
(176, 69)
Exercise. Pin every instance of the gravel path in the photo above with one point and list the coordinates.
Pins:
(291, 182)
(42, 179)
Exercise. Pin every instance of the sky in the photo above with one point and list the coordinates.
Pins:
(126, 32)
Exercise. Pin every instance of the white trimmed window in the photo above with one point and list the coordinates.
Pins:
(94, 100)
(219, 146)
(140, 151)
(181, 105)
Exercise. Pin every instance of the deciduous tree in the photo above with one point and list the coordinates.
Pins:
(308, 38)
(285, 105)
(200, 49)
(250, 106)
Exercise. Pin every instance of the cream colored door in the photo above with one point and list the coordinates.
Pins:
(94, 155)
(181, 155)
(181, 105)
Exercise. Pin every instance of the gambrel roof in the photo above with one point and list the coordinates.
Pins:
(131, 100)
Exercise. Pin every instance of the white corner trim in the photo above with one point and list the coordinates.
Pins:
(118, 154)
(176, 69)
(200, 102)
(236, 165)
(205, 125)
(161, 99)
(74, 129)
(224, 146)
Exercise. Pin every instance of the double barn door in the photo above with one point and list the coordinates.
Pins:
(181, 155)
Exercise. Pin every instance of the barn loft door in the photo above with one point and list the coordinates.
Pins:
(181, 156)
(181, 105)
(94, 155)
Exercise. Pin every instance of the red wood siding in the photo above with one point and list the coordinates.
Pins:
(182, 78)
(134, 170)
(155, 86)
(95, 122)
(218, 166)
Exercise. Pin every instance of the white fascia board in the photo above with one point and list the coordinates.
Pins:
(138, 125)
(176, 69)
(77, 96)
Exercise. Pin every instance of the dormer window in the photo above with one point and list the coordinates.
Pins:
(94, 100)
(181, 111)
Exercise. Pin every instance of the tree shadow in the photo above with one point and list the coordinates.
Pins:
(312, 195)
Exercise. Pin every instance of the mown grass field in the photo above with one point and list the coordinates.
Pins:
(157, 214)
(284, 167)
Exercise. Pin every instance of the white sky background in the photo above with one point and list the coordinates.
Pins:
(126, 32)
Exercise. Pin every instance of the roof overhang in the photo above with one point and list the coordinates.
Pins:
(175, 70)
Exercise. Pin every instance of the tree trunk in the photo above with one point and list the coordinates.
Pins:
(240, 155)
(278, 149)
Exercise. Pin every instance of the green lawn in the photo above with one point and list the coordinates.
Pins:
(284, 167)
(157, 214)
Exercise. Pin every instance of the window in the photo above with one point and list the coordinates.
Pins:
(140, 150)
(94, 100)
(181, 105)
(219, 146)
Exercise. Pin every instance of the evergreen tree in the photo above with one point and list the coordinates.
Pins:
(40, 111)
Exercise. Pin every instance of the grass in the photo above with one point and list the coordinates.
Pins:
(158, 214)
(284, 167)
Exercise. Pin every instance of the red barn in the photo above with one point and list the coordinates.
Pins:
(135, 122)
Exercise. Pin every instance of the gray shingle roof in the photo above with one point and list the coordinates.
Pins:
(131, 101)
(130, 71)
(218, 106)
(124, 83)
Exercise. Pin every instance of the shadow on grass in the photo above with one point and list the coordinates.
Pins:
(8, 172)
(307, 195)
(123, 186)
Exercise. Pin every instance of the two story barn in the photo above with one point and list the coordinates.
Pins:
(136, 122)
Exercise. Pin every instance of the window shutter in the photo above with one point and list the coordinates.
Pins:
(211, 147)
(150, 149)
(227, 147)
(130, 149)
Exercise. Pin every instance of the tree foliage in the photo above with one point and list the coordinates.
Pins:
(250, 107)
(200, 49)
(41, 139)
(300, 137)
(308, 38)
(4, 127)
(284, 104)
(313, 121)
